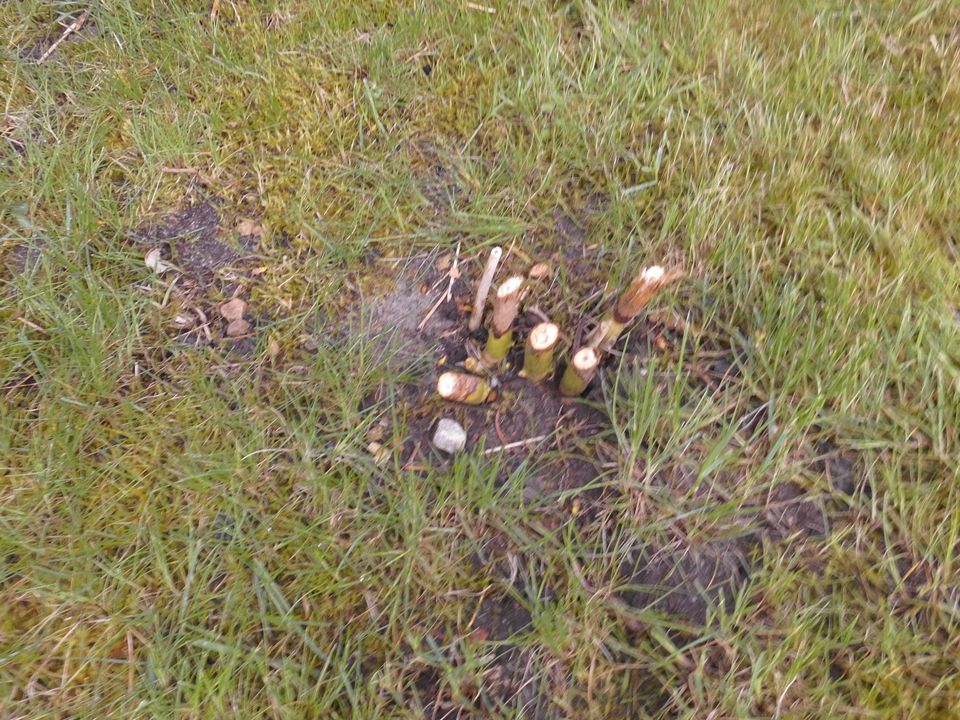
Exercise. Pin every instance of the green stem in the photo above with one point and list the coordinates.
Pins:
(538, 352)
(580, 371)
(497, 347)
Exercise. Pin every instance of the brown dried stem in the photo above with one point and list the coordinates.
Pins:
(643, 287)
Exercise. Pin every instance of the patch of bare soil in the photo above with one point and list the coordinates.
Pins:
(509, 682)
(839, 467)
(395, 322)
(790, 510)
(685, 581)
(22, 258)
(210, 265)
(528, 423)
(508, 675)
(195, 241)
(501, 617)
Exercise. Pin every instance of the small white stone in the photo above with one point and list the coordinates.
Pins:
(449, 436)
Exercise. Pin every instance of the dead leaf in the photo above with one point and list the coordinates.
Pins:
(892, 46)
(443, 262)
(237, 328)
(250, 227)
(379, 452)
(233, 310)
(184, 320)
(273, 348)
(153, 261)
(372, 607)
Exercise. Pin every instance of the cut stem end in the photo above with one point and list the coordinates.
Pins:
(467, 389)
(538, 354)
(579, 372)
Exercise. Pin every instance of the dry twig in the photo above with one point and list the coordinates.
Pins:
(483, 289)
(71, 28)
(453, 273)
(515, 445)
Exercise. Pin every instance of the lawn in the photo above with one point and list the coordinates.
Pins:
(753, 512)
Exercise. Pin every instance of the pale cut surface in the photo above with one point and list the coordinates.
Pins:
(544, 336)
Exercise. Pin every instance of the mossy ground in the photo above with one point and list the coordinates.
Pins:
(193, 526)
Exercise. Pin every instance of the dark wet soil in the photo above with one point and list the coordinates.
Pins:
(527, 423)
(686, 581)
(194, 240)
(791, 510)
(839, 467)
(211, 264)
(501, 617)
(23, 258)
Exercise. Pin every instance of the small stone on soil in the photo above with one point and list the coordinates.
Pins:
(539, 271)
(238, 328)
(233, 310)
(449, 436)
(249, 227)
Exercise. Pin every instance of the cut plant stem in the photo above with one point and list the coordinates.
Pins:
(497, 348)
(467, 389)
(643, 287)
(538, 354)
(483, 289)
(579, 372)
(506, 303)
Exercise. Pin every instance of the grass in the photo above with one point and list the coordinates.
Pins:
(190, 532)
